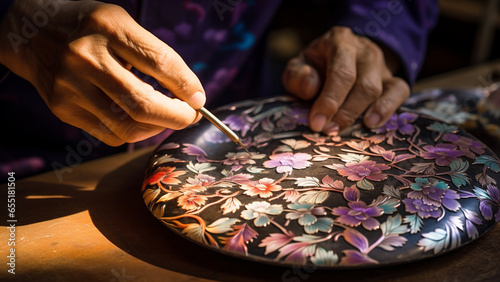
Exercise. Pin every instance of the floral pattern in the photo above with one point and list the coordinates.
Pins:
(415, 187)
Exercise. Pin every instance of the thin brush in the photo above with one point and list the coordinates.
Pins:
(222, 127)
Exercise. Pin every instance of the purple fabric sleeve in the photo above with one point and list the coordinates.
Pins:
(401, 25)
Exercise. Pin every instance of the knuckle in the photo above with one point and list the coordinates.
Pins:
(80, 54)
(102, 16)
(385, 107)
(400, 85)
(330, 103)
(139, 108)
(373, 50)
(345, 75)
(161, 60)
(183, 83)
(341, 30)
(370, 89)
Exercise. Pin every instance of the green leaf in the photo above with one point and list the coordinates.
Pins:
(323, 257)
(415, 222)
(393, 226)
(442, 127)
(388, 204)
(459, 165)
(489, 161)
(460, 179)
(436, 240)
(365, 184)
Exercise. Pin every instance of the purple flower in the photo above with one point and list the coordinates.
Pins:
(293, 117)
(365, 169)
(443, 153)
(358, 211)
(286, 162)
(400, 123)
(489, 200)
(428, 196)
(239, 123)
(466, 145)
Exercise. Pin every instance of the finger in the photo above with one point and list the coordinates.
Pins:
(366, 89)
(83, 119)
(153, 57)
(395, 93)
(141, 101)
(87, 107)
(339, 79)
(301, 79)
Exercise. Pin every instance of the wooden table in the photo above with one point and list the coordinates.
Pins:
(94, 226)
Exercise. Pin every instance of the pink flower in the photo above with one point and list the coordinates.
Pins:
(364, 169)
(264, 188)
(286, 162)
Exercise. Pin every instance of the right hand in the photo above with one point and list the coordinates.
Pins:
(79, 59)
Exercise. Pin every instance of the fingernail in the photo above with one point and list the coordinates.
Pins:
(318, 122)
(198, 100)
(372, 120)
(332, 128)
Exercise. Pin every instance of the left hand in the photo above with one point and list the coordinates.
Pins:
(347, 75)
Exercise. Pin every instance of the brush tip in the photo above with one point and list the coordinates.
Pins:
(244, 147)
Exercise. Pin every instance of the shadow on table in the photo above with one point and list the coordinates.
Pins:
(119, 213)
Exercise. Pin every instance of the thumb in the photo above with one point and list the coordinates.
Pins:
(301, 79)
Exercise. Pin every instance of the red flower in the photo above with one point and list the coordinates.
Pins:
(191, 201)
(165, 175)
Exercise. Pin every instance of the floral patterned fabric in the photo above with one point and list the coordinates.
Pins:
(414, 188)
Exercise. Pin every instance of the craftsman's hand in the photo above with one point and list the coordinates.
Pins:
(78, 55)
(348, 76)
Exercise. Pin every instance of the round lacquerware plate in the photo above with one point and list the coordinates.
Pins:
(413, 189)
